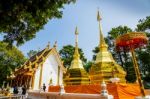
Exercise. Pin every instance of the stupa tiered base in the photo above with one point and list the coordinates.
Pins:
(119, 91)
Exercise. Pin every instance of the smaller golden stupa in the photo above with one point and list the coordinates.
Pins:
(105, 67)
(76, 74)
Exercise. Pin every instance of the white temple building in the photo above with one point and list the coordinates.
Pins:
(43, 68)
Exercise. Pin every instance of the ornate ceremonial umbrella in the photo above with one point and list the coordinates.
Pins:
(129, 42)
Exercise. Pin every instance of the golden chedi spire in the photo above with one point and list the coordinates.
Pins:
(76, 62)
(105, 67)
(76, 54)
(102, 44)
(76, 75)
(103, 47)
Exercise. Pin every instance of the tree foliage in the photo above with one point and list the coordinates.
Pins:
(88, 65)
(9, 60)
(95, 51)
(67, 52)
(117, 31)
(144, 25)
(21, 19)
(32, 53)
(144, 54)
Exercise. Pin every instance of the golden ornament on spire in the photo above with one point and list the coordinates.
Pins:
(76, 31)
(98, 16)
(76, 38)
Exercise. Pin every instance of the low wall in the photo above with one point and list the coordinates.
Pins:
(57, 95)
(148, 91)
(119, 91)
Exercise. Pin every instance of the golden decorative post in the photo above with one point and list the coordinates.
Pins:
(33, 77)
(136, 67)
(129, 42)
(58, 75)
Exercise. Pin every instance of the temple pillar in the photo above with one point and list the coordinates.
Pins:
(21, 82)
(17, 80)
(58, 75)
(27, 83)
(33, 77)
(30, 83)
(30, 79)
(11, 82)
(41, 71)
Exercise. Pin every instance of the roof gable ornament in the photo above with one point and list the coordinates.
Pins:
(48, 45)
(55, 44)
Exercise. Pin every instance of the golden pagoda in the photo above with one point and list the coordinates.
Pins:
(105, 67)
(76, 74)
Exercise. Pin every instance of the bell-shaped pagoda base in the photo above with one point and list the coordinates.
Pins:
(105, 71)
(76, 76)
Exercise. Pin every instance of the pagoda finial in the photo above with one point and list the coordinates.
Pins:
(101, 41)
(76, 54)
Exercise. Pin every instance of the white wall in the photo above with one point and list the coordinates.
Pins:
(50, 70)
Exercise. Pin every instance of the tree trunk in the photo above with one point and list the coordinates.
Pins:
(119, 54)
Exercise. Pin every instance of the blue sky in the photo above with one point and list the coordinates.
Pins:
(83, 15)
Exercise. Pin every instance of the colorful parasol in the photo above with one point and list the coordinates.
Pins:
(132, 39)
(129, 42)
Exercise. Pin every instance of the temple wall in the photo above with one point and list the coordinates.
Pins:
(50, 71)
